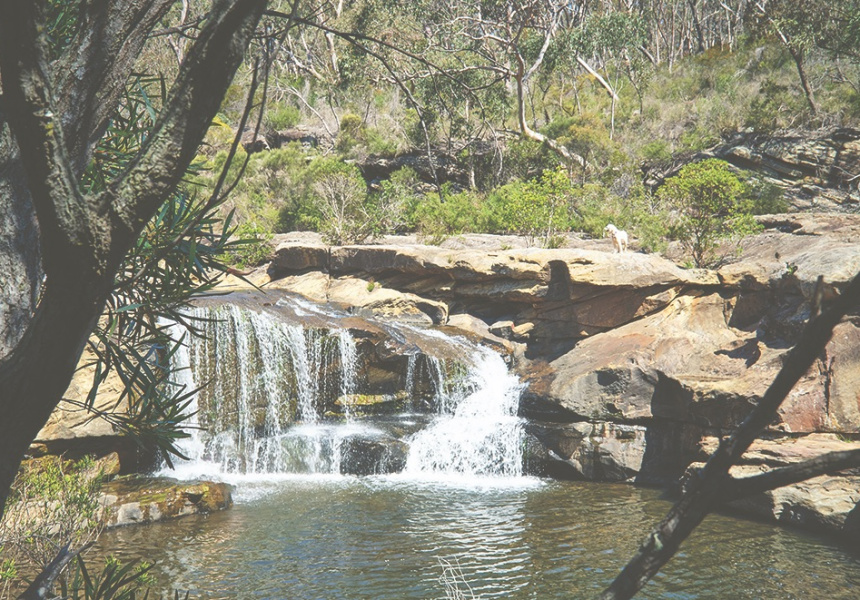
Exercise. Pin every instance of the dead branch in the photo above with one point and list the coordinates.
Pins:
(708, 487)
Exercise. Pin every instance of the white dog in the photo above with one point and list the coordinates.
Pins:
(619, 237)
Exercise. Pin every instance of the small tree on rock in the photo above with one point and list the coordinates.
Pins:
(711, 207)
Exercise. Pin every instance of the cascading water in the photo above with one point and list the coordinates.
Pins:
(477, 431)
(272, 387)
(263, 384)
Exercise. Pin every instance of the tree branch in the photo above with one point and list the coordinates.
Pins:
(826, 464)
(530, 133)
(67, 228)
(91, 76)
(705, 489)
(188, 113)
(598, 77)
(44, 581)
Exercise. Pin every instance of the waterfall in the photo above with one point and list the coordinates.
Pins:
(264, 385)
(477, 431)
(278, 397)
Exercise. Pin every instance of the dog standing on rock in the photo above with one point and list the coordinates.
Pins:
(619, 237)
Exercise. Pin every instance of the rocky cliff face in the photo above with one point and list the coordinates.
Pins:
(815, 170)
(635, 365)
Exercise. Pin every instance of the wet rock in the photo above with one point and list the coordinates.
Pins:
(477, 329)
(313, 285)
(591, 451)
(71, 420)
(146, 500)
(372, 404)
(362, 296)
(372, 456)
(522, 331)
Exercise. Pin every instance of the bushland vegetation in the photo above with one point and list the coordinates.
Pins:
(547, 116)
(605, 103)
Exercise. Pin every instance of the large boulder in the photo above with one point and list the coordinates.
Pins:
(592, 451)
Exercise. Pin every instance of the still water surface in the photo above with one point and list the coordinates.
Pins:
(388, 538)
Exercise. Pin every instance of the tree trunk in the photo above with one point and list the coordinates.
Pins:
(83, 239)
(34, 377)
(797, 55)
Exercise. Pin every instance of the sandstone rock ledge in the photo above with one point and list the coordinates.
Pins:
(632, 362)
(150, 499)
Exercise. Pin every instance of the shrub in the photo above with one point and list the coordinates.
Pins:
(283, 117)
(396, 199)
(340, 196)
(767, 198)
(525, 159)
(252, 246)
(351, 133)
(537, 209)
(460, 212)
(53, 502)
(711, 208)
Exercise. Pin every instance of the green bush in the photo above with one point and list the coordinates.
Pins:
(767, 198)
(351, 133)
(538, 209)
(712, 208)
(53, 502)
(283, 117)
(396, 201)
(339, 196)
(656, 151)
(253, 246)
(437, 218)
(526, 159)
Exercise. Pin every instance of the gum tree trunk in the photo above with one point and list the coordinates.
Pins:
(52, 117)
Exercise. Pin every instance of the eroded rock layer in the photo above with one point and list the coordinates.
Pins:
(634, 364)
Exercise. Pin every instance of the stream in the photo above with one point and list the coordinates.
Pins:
(426, 499)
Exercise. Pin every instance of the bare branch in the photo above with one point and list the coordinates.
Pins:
(44, 581)
(826, 464)
(598, 77)
(705, 490)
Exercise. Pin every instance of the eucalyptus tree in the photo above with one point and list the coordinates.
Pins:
(63, 245)
(797, 24)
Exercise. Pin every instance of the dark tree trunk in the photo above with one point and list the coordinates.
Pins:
(83, 239)
(797, 55)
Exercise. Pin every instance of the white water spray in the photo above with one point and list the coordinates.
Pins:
(271, 381)
(477, 432)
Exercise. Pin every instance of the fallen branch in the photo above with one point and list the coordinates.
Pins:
(44, 581)
(826, 464)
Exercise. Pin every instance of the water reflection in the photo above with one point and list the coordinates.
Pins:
(383, 538)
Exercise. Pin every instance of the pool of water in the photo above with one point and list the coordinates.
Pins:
(393, 538)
